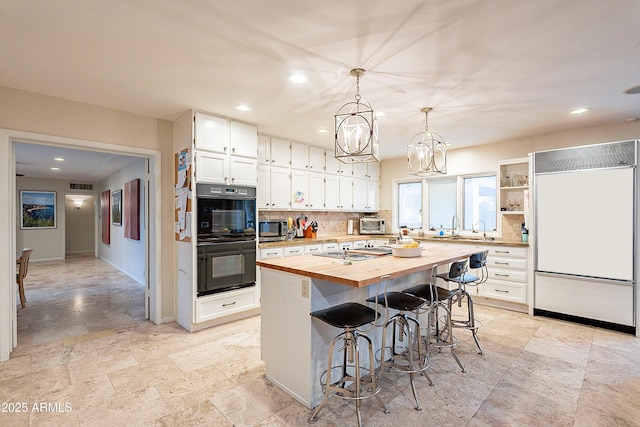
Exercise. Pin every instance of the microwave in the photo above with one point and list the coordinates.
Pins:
(372, 225)
(272, 231)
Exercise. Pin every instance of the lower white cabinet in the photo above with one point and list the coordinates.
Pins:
(271, 253)
(312, 249)
(507, 267)
(224, 304)
(293, 250)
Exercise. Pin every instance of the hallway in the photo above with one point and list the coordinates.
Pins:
(85, 352)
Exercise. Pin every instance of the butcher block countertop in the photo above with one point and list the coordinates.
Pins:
(367, 272)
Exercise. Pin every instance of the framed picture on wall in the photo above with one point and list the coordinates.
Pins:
(116, 207)
(38, 209)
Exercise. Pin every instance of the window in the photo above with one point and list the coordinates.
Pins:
(410, 204)
(442, 203)
(479, 202)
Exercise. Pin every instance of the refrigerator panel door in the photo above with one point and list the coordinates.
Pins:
(585, 224)
(588, 298)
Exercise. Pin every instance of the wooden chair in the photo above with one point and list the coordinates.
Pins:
(22, 273)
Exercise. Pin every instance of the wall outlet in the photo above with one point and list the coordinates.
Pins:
(305, 289)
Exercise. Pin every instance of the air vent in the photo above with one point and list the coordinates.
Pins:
(80, 186)
(598, 156)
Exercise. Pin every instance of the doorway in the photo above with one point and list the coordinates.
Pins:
(150, 229)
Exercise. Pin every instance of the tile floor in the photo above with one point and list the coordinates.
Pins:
(86, 357)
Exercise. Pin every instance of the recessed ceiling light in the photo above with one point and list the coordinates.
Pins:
(55, 169)
(578, 111)
(633, 90)
(242, 107)
(297, 78)
(323, 130)
(380, 114)
(59, 159)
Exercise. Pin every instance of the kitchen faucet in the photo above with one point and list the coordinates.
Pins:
(454, 225)
(484, 229)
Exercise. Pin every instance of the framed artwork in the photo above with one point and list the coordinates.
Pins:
(105, 206)
(116, 207)
(38, 209)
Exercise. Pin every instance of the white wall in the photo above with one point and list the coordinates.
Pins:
(125, 254)
(49, 243)
(80, 224)
(485, 158)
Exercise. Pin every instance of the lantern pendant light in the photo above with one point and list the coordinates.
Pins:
(427, 151)
(356, 128)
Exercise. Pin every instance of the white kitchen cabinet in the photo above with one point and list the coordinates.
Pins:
(326, 247)
(299, 156)
(299, 189)
(373, 171)
(316, 159)
(243, 171)
(211, 168)
(359, 244)
(222, 169)
(211, 133)
(332, 165)
(316, 191)
(263, 188)
(332, 192)
(312, 249)
(346, 192)
(271, 253)
(264, 150)
(373, 195)
(360, 170)
(293, 251)
(280, 188)
(243, 139)
(507, 267)
(360, 194)
(224, 304)
(280, 152)
(345, 245)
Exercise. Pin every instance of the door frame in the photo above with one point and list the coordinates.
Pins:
(153, 223)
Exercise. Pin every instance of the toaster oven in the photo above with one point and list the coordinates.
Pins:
(372, 225)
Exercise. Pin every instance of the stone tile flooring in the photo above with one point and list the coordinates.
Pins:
(86, 357)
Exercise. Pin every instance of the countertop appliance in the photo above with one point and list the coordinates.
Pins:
(586, 233)
(226, 248)
(272, 231)
(372, 225)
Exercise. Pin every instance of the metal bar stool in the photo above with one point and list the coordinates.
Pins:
(406, 351)
(435, 298)
(464, 279)
(349, 380)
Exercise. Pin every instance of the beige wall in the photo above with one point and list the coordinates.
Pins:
(29, 112)
(80, 225)
(485, 158)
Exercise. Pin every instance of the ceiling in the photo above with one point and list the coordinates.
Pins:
(492, 70)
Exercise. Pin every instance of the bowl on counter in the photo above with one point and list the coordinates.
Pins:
(401, 251)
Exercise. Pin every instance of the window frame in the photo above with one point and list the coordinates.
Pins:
(460, 200)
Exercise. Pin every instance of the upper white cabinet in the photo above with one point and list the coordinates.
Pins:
(360, 170)
(263, 189)
(264, 150)
(316, 191)
(280, 152)
(243, 139)
(225, 152)
(299, 156)
(211, 133)
(316, 159)
(299, 189)
(334, 166)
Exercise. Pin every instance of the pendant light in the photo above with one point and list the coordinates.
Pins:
(356, 129)
(427, 152)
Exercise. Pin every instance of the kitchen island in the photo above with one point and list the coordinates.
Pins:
(294, 345)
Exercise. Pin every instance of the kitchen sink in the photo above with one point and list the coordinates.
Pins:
(352, 256)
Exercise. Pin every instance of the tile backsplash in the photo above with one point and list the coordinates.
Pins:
(329, 223)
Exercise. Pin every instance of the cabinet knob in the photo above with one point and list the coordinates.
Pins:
(225, 149)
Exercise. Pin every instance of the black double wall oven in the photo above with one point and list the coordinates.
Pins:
(226, 237)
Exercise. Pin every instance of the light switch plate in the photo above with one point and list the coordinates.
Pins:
(305, 289)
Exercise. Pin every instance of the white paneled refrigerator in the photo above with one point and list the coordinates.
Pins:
(585, 233)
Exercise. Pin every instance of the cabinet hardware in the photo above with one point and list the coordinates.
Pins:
(502, 252)
(501, 275)
(500, 290)
(272, 253)
(233, 150)
(501, 263)
(227, 305)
